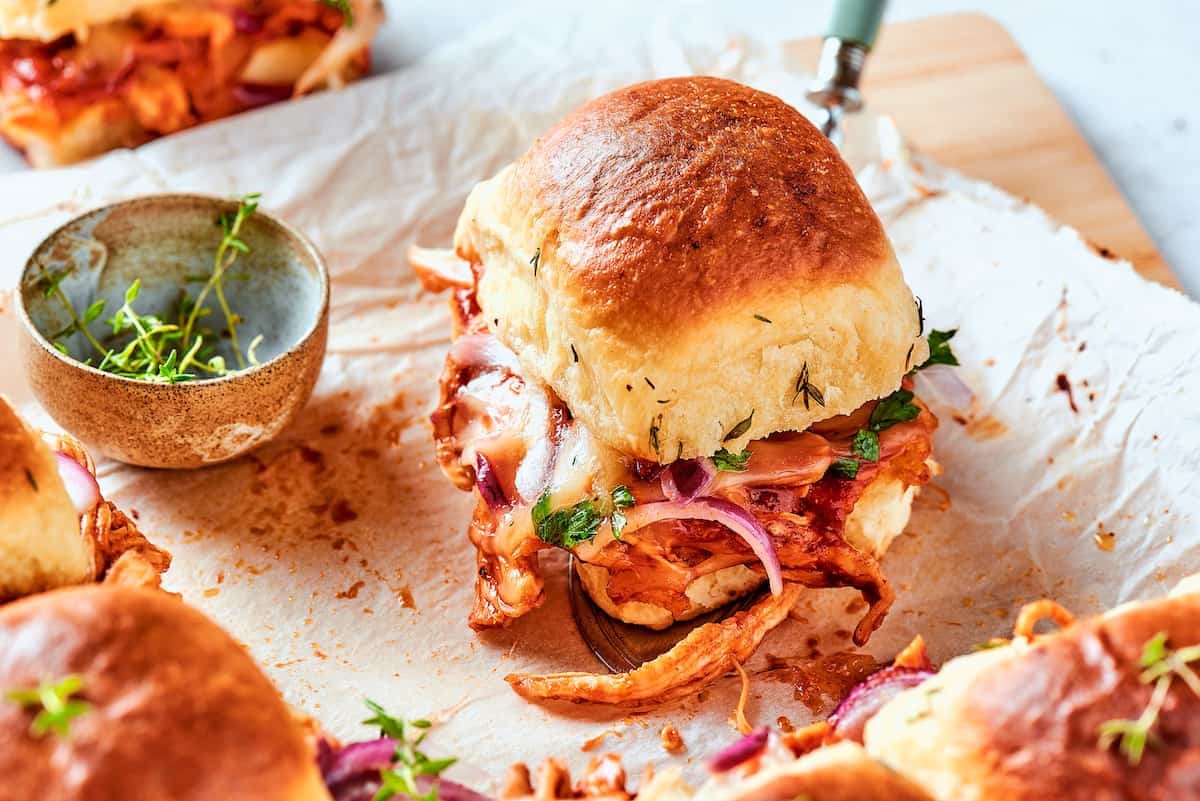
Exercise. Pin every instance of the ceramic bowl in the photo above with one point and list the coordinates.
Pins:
(281, 290)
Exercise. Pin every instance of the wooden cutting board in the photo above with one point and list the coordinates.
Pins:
(962, 91)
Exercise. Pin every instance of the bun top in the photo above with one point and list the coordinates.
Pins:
(672, 255)
(1024, 721)
(41, 545)
(177, 708)
(46, 21)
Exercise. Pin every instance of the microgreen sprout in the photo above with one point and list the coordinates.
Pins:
(148, 347)
(56, 708)
(409, 762)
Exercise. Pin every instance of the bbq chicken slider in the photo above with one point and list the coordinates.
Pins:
(80, 77)
(55, 527)
(119, 693)
(682, 342)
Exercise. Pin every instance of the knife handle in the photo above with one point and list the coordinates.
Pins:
(856, 21)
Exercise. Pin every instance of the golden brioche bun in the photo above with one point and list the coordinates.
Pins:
(178, 709)
(878, 518)
(665, 220)
(40, 542)
(841, 772)
(46, 21)
(1022, 722)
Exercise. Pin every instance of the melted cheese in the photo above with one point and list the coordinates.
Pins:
(43, 21)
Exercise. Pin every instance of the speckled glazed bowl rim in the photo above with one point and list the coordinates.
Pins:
(306, 246)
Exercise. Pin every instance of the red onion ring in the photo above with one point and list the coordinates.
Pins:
(687, 479)
(352, 773)
(253, 95)
(746, 748)
(718, 510)
(451, 791)
(947, 385)
(867, 697)
(357, 760)
(80, 483)
(488, 483)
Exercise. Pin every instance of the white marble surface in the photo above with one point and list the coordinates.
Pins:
(1126, 72)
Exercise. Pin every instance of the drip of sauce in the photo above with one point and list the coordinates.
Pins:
(1064, 385)
(820, 683)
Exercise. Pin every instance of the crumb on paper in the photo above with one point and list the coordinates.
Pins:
(671, 739)
(592, 743)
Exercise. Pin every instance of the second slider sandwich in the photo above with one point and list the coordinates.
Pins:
(682, 342)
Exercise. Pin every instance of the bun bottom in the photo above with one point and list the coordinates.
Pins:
(878, 518)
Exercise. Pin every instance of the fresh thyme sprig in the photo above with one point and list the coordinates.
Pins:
(1160, 666)
(409, 761)
(227, 254)
(805, 388)
(146, 347)
(56, 708)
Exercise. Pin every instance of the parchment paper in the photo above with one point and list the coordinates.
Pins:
(338, 553)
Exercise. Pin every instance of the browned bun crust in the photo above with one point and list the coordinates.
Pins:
(1022, 723)
(766, 201)
(179, 710)
(672, 254)
(841, 772)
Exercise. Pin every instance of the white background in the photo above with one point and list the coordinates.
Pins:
(1126, 72)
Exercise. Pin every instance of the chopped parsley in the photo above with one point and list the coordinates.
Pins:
(894, 409)
(843, 467)
(56, 708)
(344, 7)
(731, 461)
(939, 350)
(566, 528)
(866, 445)
(409, 762)
(739, 429)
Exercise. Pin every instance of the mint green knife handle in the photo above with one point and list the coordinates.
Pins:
(856, 21)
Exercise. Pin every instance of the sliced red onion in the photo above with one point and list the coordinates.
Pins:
(245, 22)
(869, 696)
(746, 748)
(687, 479)
(80, 483)
(451, 791)
(253, 95)
(352, 773)
(947, 385)
(488, 483)
(718, 510)
(357, 760)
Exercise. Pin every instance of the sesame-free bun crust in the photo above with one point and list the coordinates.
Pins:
(179, 710)
(662, 219)
(45, 21)
(40, 543)
(1021, 723)
(841, 772)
